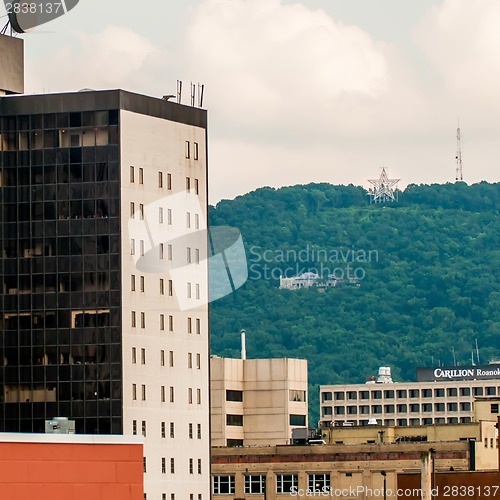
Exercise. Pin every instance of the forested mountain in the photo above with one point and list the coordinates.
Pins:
(429, 268)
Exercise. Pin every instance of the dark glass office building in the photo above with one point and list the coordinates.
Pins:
(60, 260)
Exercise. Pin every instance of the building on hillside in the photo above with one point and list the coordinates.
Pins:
(305, 280)
(483, 434)
(440, 395)
(103, 303)
(290, 471)
(76, 467)
(257, 401)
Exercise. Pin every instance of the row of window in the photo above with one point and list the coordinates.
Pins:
(164, 429)
(163, 392)
(172, 465)
(161, 215)
(256, 483)
(404, 422)
(190, 358)
(410, 393)
(172, 496)
(194, 151)
(160, 180)
(190, 323)
(402, 408)
(237, 420)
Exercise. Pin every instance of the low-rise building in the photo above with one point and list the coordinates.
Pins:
(440, 395)
(257, 401)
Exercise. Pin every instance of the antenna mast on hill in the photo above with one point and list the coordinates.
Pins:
(459, 176)
(384, 189)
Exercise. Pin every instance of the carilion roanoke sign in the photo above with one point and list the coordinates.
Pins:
(449, 373)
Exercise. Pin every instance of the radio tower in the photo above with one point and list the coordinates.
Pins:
(459, 176)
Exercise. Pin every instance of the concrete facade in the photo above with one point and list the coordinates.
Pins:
(257, 401)
(270, 472)
(11, 65)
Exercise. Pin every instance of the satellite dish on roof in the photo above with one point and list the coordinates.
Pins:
(24, 16)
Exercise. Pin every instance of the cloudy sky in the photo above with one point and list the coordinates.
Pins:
(300, 91)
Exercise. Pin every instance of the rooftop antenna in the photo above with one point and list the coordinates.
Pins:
(193, 94)
(477, 354)
(179, 91)
(472, 357)
(243, 345)
(459, 175)
(201, 91)
(383, 190)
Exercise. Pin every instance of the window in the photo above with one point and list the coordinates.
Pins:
(142, 284)
(134, 427)
(195, 152)
(169, 249)
(160, 215)
(172, 466)
(376, 394)
(143, 392)
(169, 181)
(163, 465)
(132, 210)
(162, 322)
(171, 323)
(491, 391)
(162, 393)
(198, 433)
(494, 408)
(190, 360)
(402, 422)
(376, 408)
(438, 393)
(188, 256)
(401, 394)
(163, 430)
(427, 407)
(326, 396)
(141, 211)
(326, 410)
(352, 410)
(340, 410)
(190, 328)
(171, 359)
(477, 391)
(132, 283)
(190, 396)
(162, 358)
(439, 407)
(198, 396)
(295, 395)
(144, 465)
(132, 246)
(141, 176)
(143, 320)
(161, 250)
(169, 217)
(199, 466)
(144, 428)
(134, 355)
(160, 179)
(427, 393)
(170, 288)
(402, 408)
(223, 485)
(134, 392)
(339, 396)
(389, 408)
(465, 391)
(414, 421)
(236, 420)
(188, 220)
(364, 395)
(172, 430)
(298, 420)
(189, 290)
(196, 221)
(389, 394)
(190, 431)
(255, 484)
(414, 408)
(191, 471)
(198, 327)
(132, 174)
(318, 482)
(197, 291)
(452, 407)
(188, 150)
(162, 287)
(197, 255)
(234, 395)
(143, 356)
(188, 184)
(466, 407)
(285, 482)
(142, 248)
(451, 392)
(197, 186)
(198, 361)
(171, 394)
(414, 393)
(364, 410)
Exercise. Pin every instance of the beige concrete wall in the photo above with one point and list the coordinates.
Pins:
(266, 406)
(11, 65)
(157, 145)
